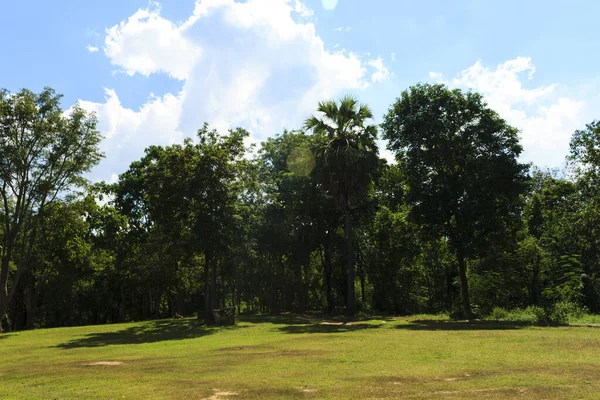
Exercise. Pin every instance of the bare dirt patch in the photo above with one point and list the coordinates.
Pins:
(220, 394)
(294, 353)
(104, 363)
(243, 348)
(305, 389)
(507, 389)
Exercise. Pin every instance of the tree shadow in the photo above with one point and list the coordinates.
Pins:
(148, 332)
(433, 325)
(327, 328)
(278, 319)
(308, 319)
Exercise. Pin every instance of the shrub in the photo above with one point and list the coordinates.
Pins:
(498, 314)
(535, 315)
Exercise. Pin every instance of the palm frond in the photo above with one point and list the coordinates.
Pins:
(365, 112)
(319, 127)
(329, 108)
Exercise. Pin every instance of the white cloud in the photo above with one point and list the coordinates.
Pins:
(503, 86)
(146, 43)
(264, 71)
(343, 29)
(381, 72)
(393, 57)
(436, 76)
(128, 132)
(91, 49)
(546, 120)
(301, 9)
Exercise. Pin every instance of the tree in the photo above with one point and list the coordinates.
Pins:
(185, 200)
(585, 150)
(43, 154)
(215, 193)
(585, 156)
(346, 160)
(463, 175)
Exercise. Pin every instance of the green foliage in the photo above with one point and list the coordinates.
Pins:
(392, 263)
(312, 221)
(346, 161)
(585, 149)
(561, 313)
(464, 180)
(461, 162)
(43, 155)
(569, 281)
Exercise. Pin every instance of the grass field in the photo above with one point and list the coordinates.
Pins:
(302, 357)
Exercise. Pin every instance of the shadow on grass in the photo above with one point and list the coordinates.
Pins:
(278, 319)
(147, 332)
(432, 325)
(308, 319)
(327, 328)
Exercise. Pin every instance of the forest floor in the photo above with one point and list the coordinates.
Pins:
(291, 356)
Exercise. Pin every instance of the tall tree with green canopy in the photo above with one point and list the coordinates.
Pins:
(216, 190)
(346, 161)
(43, 154)
(585, 157)
(187, 197)
(585, 150)
(464, 179)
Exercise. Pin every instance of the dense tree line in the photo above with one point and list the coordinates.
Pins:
(312, 220)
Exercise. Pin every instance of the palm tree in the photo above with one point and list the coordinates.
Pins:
(347, 156)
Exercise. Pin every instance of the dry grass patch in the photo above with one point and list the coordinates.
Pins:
(104, 363)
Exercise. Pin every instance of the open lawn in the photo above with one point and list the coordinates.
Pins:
(302, 357)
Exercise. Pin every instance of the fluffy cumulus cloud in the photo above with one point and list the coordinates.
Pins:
(91, 49)
(128, 132)
(546, 119)
(301, 9)
(381, 72)
(146, 43)
(436, 76)
(258, 64)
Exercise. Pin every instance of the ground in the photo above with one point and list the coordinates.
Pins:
(302, 357)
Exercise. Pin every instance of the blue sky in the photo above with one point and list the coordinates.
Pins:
(153, 72)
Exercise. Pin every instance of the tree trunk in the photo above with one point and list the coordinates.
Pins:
(213, 286)
(300, 297)
(464, 284)
(328, 268)
(362, 290)
(4, 295)
(29, 306)
(351, 295)
(3, 306)
(207, 261)
(535, 280)
(150, 304)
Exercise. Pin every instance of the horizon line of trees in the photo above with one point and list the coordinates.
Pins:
(315, 221)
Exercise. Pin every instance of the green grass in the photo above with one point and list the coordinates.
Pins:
(585, 319)
(301, 357)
